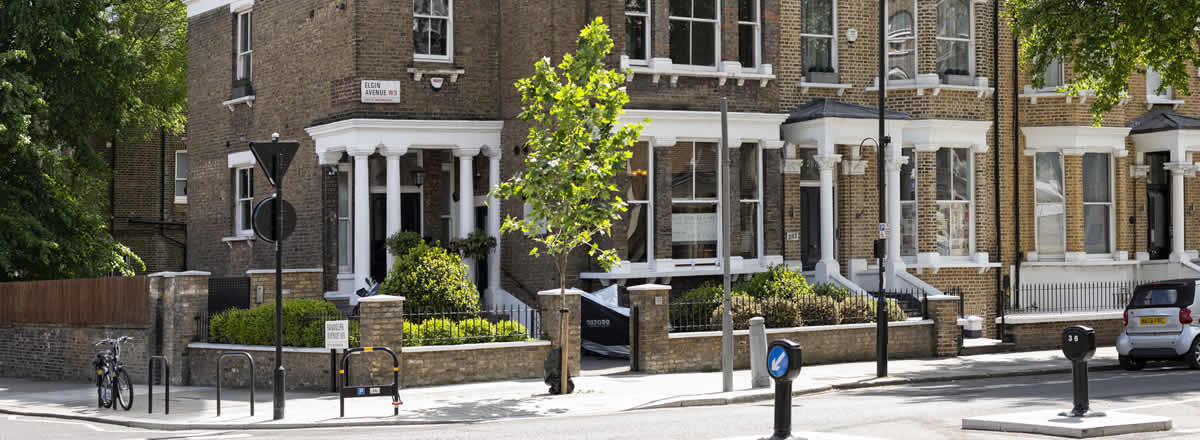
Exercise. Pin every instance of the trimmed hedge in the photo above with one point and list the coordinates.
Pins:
(441, 331)
(776, 282)
(256, 326)
(432, 279)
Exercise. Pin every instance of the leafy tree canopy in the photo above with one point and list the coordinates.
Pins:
(72, 71)
(1105, 42)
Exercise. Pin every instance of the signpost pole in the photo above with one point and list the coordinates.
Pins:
(881, 326)
(279, 373)
(727, 315)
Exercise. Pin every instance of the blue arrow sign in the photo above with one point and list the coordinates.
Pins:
(777, 362)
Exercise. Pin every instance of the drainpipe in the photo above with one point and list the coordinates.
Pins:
(996, 162)
(1016, 161)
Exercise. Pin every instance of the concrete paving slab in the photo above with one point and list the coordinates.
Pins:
(1051, 423)
(810, 436)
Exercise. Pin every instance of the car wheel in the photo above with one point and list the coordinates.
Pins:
(1193, 355)
(1131, 364)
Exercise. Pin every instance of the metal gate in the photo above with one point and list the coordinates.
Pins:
(227, 293)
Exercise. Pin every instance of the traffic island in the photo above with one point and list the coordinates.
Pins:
(1049, 422)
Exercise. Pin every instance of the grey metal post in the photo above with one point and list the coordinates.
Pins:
(881, 326)
(758, 353)
(727, 316)
(279, 373)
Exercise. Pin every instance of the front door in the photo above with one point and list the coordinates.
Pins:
(810, 226)
(410, 215)
(1158, 206)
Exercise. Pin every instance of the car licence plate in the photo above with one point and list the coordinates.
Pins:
(1152, 320)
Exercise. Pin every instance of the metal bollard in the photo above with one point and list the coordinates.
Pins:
(783, 364)
(1079, 345)
(166, 380)
(758, 353)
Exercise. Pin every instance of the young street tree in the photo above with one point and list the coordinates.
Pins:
(1105, 42)
(73, 72)
(576, 148)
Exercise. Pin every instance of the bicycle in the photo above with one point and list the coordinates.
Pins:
(113, 386)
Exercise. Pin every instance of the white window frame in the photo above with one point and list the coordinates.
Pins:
(916, 46)
(716, 22)
(1112, 234)
(1036, 230)
(1151, 92)
(648, 16)
(242, 227)
(970, 202)
(833, 47)
(449, 17)
(1062, 76)
(245, 58)
(182, 200)
(758, 201)
(347, 220)
(970, 40)
(912, 161)
(649, 202)
(757, 24)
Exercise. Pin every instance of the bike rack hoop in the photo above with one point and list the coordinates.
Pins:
(248, 358)
(377, 390)
(166, 380)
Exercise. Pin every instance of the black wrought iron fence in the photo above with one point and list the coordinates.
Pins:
(434, 326)
(1071, 297)
(803, 310)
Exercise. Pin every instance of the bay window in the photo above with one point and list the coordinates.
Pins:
(694, 232)
(433, 29)
(749, 32)
(954, 37)
(694, 36)
(243, 193)
(637, 29)
(954, 199)
(902, 39)
(908, 204)
(817, 36)
(1049, 204)
(1097, 203)
(640, 215)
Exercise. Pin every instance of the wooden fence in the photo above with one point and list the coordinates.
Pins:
(103, 301)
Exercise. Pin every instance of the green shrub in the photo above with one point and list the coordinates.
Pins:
(700, 304)
(437, 331)
(302, 326)
(831, 290)
(744, 308)
(895, 312)
(819, 310)
(432, 279)
(475, 330)
(782, 313)
(411, 338)
(401, 242)
(776, 282)
(510, 331)
(857, 310)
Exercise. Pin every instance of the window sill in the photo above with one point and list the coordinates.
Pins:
(930, 81)
(230, 104)
(936, 262)
(421, 72)
(249, 239)
(664, 269)
(1152, 101)
(180, 200)
(660, 67)
(804, 85)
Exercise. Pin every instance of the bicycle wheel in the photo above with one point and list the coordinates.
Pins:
(104, 391)
(124, 390)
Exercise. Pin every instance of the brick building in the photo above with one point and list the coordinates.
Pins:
(148, 196)
(408, 130)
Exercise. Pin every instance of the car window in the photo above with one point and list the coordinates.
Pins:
(1155, 298)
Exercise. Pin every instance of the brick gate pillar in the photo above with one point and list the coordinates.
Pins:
(381, 324)
(652, 302)
(549, 306)
(944, 310)
(184, 297)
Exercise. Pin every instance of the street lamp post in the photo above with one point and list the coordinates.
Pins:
(881, 143)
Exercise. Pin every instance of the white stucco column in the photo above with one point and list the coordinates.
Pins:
(466, 198)
(393, 196)
(895, 262)
(362, 222)
(1179, 170)
(493, 223)
(827, 163)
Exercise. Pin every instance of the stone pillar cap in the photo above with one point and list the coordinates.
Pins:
(943, 298)
(649, 288)
(382, 298)
(190, 273)
(551, 292)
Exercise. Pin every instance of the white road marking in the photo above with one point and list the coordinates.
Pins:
(215, 437)
(1155, 405)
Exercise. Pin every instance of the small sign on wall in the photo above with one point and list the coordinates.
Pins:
(380, 92)
(793, 236)
(337, 335)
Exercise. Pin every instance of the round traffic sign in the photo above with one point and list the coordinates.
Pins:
(777, 362)
(264, 219)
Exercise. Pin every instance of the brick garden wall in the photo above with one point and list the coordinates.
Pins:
(1032, 333)
(64, 353)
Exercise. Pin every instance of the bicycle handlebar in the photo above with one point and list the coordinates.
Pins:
(120, 340)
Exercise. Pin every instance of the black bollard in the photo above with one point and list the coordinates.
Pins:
(783, 410)
(783, 365)
(1079, 345)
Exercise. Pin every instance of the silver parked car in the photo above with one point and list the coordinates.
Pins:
(1159, 325)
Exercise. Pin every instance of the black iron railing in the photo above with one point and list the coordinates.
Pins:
(802, 310)
(434, 326)
(1071, 297)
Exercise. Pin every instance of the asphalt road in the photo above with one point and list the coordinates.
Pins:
(925, 412)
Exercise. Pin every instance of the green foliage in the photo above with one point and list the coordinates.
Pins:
(819, 310)
(400, 243)
(831, 290)
(744, 308)
(475, 330)
(432, 279)
(895, 312)
(783, 313)
(1106, 42)
(302, 326)
(410, 335)
(510, 331)
(707, 292)
(577, 146)
(776, 282)
(437, 331)
(857, 310)
(477, 245)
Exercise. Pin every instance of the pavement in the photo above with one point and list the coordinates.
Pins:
(195, 407)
